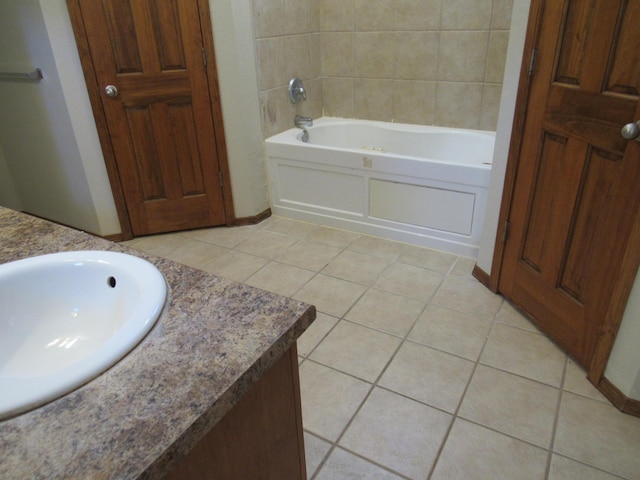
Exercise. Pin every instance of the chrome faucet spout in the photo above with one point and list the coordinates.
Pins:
(300, 121)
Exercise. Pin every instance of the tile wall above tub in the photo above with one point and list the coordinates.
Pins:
(437, 62)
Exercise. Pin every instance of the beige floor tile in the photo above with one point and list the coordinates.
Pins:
(378, 247)
(429, 376)
(309, 255)
(342, 465)
(597, 434)
(575, 381)
(266, 244)
(386, 312)
(473, 452)
(410, 281)
(329, 399)
(161, 245)
(426, 258)
(525, 353)
(356, 267)
(287, 226)
(397, 432)
(356, 350)
(315, 333)
(565, 469)
(467, 296)
(236, 266)
(509, 315)
(330, 295)
(464, 267)
(512, 405)
(280, 278)
(196, 253)
(451, 331)
(315, 449)
(224, 236)
(332, 236)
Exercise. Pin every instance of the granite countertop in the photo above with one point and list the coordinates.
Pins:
(213, 340)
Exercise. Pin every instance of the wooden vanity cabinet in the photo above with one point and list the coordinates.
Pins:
(260, 438)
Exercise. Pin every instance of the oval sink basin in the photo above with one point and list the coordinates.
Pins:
(67, 317)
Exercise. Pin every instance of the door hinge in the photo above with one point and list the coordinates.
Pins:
(204, 56)
(532, 61)
(220, 178)
(505, 231)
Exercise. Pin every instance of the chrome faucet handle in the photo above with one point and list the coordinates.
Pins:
(296, 90)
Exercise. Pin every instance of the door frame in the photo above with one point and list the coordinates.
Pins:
(622, 289)
(94, 89)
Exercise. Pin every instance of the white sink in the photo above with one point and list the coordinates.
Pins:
(67, 317)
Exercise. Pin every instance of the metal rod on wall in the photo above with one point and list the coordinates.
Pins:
(35, 75)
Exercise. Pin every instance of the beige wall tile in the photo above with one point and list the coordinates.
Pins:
(374, 15)
(414, 102)
(373, 99)
(458, 104)
(338, 96)
(490, 106)
(375, 55)
(296, 52)
(418, 14)
(497, 53)
(350, 50)
(502, 14)
(277, 111)
(336, 15)
(295, 17)
(314, 15)
(267, 18)
(416, 55)
(463, 56)
(466, 14)
(270, 62)
(337, 54)
(315, 49)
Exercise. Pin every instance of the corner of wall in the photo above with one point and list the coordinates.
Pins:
(519, 19)
(235, 58)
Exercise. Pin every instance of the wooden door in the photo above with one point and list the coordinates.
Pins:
(168, 150)
(576, 191)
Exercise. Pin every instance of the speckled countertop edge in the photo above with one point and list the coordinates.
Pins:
(213, 340)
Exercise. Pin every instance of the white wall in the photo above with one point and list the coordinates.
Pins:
(623, 368)
(519, 18)
(8, 195)
(234, 44)
(47, 132)
(36, 132)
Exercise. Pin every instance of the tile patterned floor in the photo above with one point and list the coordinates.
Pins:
(413, 370)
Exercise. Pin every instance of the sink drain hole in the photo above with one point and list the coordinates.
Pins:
(112, 282)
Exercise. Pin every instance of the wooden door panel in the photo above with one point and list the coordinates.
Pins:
(161, 122)
(575, 196)
(588, 116)
(623, 76)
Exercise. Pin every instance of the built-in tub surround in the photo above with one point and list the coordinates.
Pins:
(214, 339)
(417, 184)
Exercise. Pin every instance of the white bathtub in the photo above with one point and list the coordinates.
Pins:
(421, 185)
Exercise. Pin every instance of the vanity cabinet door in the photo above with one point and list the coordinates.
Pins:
(260, 438)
